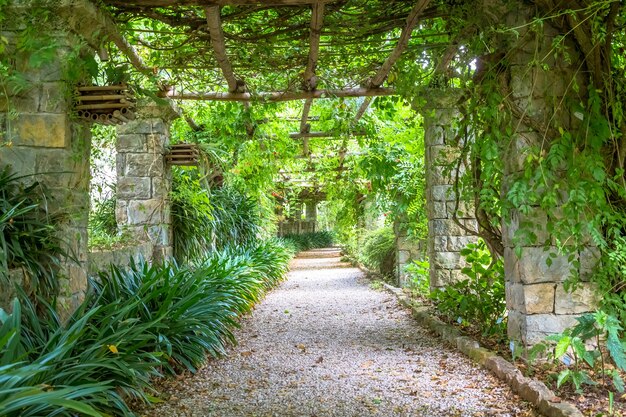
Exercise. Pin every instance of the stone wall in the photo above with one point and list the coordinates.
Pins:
(536, 298)
(100, 260)
(446, 237)
(39, 137)
(143, 177)
(406, 251)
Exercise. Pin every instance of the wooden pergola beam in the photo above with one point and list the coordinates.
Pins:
(317, 20)
(403, 42)
(219, 48)
(300, 135)
(277, 96)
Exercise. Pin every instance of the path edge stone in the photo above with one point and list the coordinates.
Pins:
(531, 390)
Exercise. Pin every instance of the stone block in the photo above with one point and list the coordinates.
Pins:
(136, 143)
(404, 257)
(145, 211)
(582, 300)
(511, 266)
(22, 159)
(589, 258)
(456, 243)
(157, 143)
(144, 165)
(533, 267)
(120, 164)
(443, 193)
(465, 209)
(40, 130)
(437, 175)
(433, 135)
(141, 126)
(530, 299)
(53, 98)
(440, 243)
(77, 277)
(121, 212)
(439, 277)
(438, 210)
(449, 260)
(534, 328)
(137, 188)
(442, 154)
(444, 227)
(60, 168)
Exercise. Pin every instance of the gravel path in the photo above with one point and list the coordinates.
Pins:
(325, 344)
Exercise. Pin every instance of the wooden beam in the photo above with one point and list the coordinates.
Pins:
(278, 96)
(97, 26)
(403, 42)
(317, 20)
(366, 103)
(299, 135)
(169, 3)
(219, 48)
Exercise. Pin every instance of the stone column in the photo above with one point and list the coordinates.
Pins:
(143, 179)
(311, 214)
(38, 137)
(406, 250)
(445, 237)
(536, 298)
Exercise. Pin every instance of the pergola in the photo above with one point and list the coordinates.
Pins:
(229, 43)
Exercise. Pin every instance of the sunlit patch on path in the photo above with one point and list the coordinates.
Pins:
(325, 344)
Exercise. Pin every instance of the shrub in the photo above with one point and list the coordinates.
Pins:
(480, 299)
(378, 251)
(134, 325)
(28, 236)
(418, 274)
(312, 240)
(206, 219)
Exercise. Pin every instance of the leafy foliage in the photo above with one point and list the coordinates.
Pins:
(28, 237)
(313, 240)
(478, 300)
(134, 325)
(378, 251)
(418, 273)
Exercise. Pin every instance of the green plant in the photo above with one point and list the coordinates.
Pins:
(313, 240)
(418, 273)
(28, 236)
(378, 251)
(590, 345)
(478, 300)
(134, 325)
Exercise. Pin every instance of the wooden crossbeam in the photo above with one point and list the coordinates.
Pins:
(277, 96)
(317, 20)
(310, 80)
(219, 48)
(300, 135)
(403, 42)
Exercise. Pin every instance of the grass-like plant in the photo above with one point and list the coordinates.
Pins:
(312, 240)
(28, 233)
(134, 325)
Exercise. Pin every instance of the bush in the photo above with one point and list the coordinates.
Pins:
(134, 325)
(478, 300)
(28, 236)
(204, 220)
(418, 274)
(312, 240)
(378, 251)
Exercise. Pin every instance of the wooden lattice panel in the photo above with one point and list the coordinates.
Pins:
(106, 104)
(185, 154)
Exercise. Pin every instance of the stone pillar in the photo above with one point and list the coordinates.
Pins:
(445, 237)
(143, 179)
(38, 137)
(311, 214)
(536, 298)
(406, 250)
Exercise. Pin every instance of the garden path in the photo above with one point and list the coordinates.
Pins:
(326, 344)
